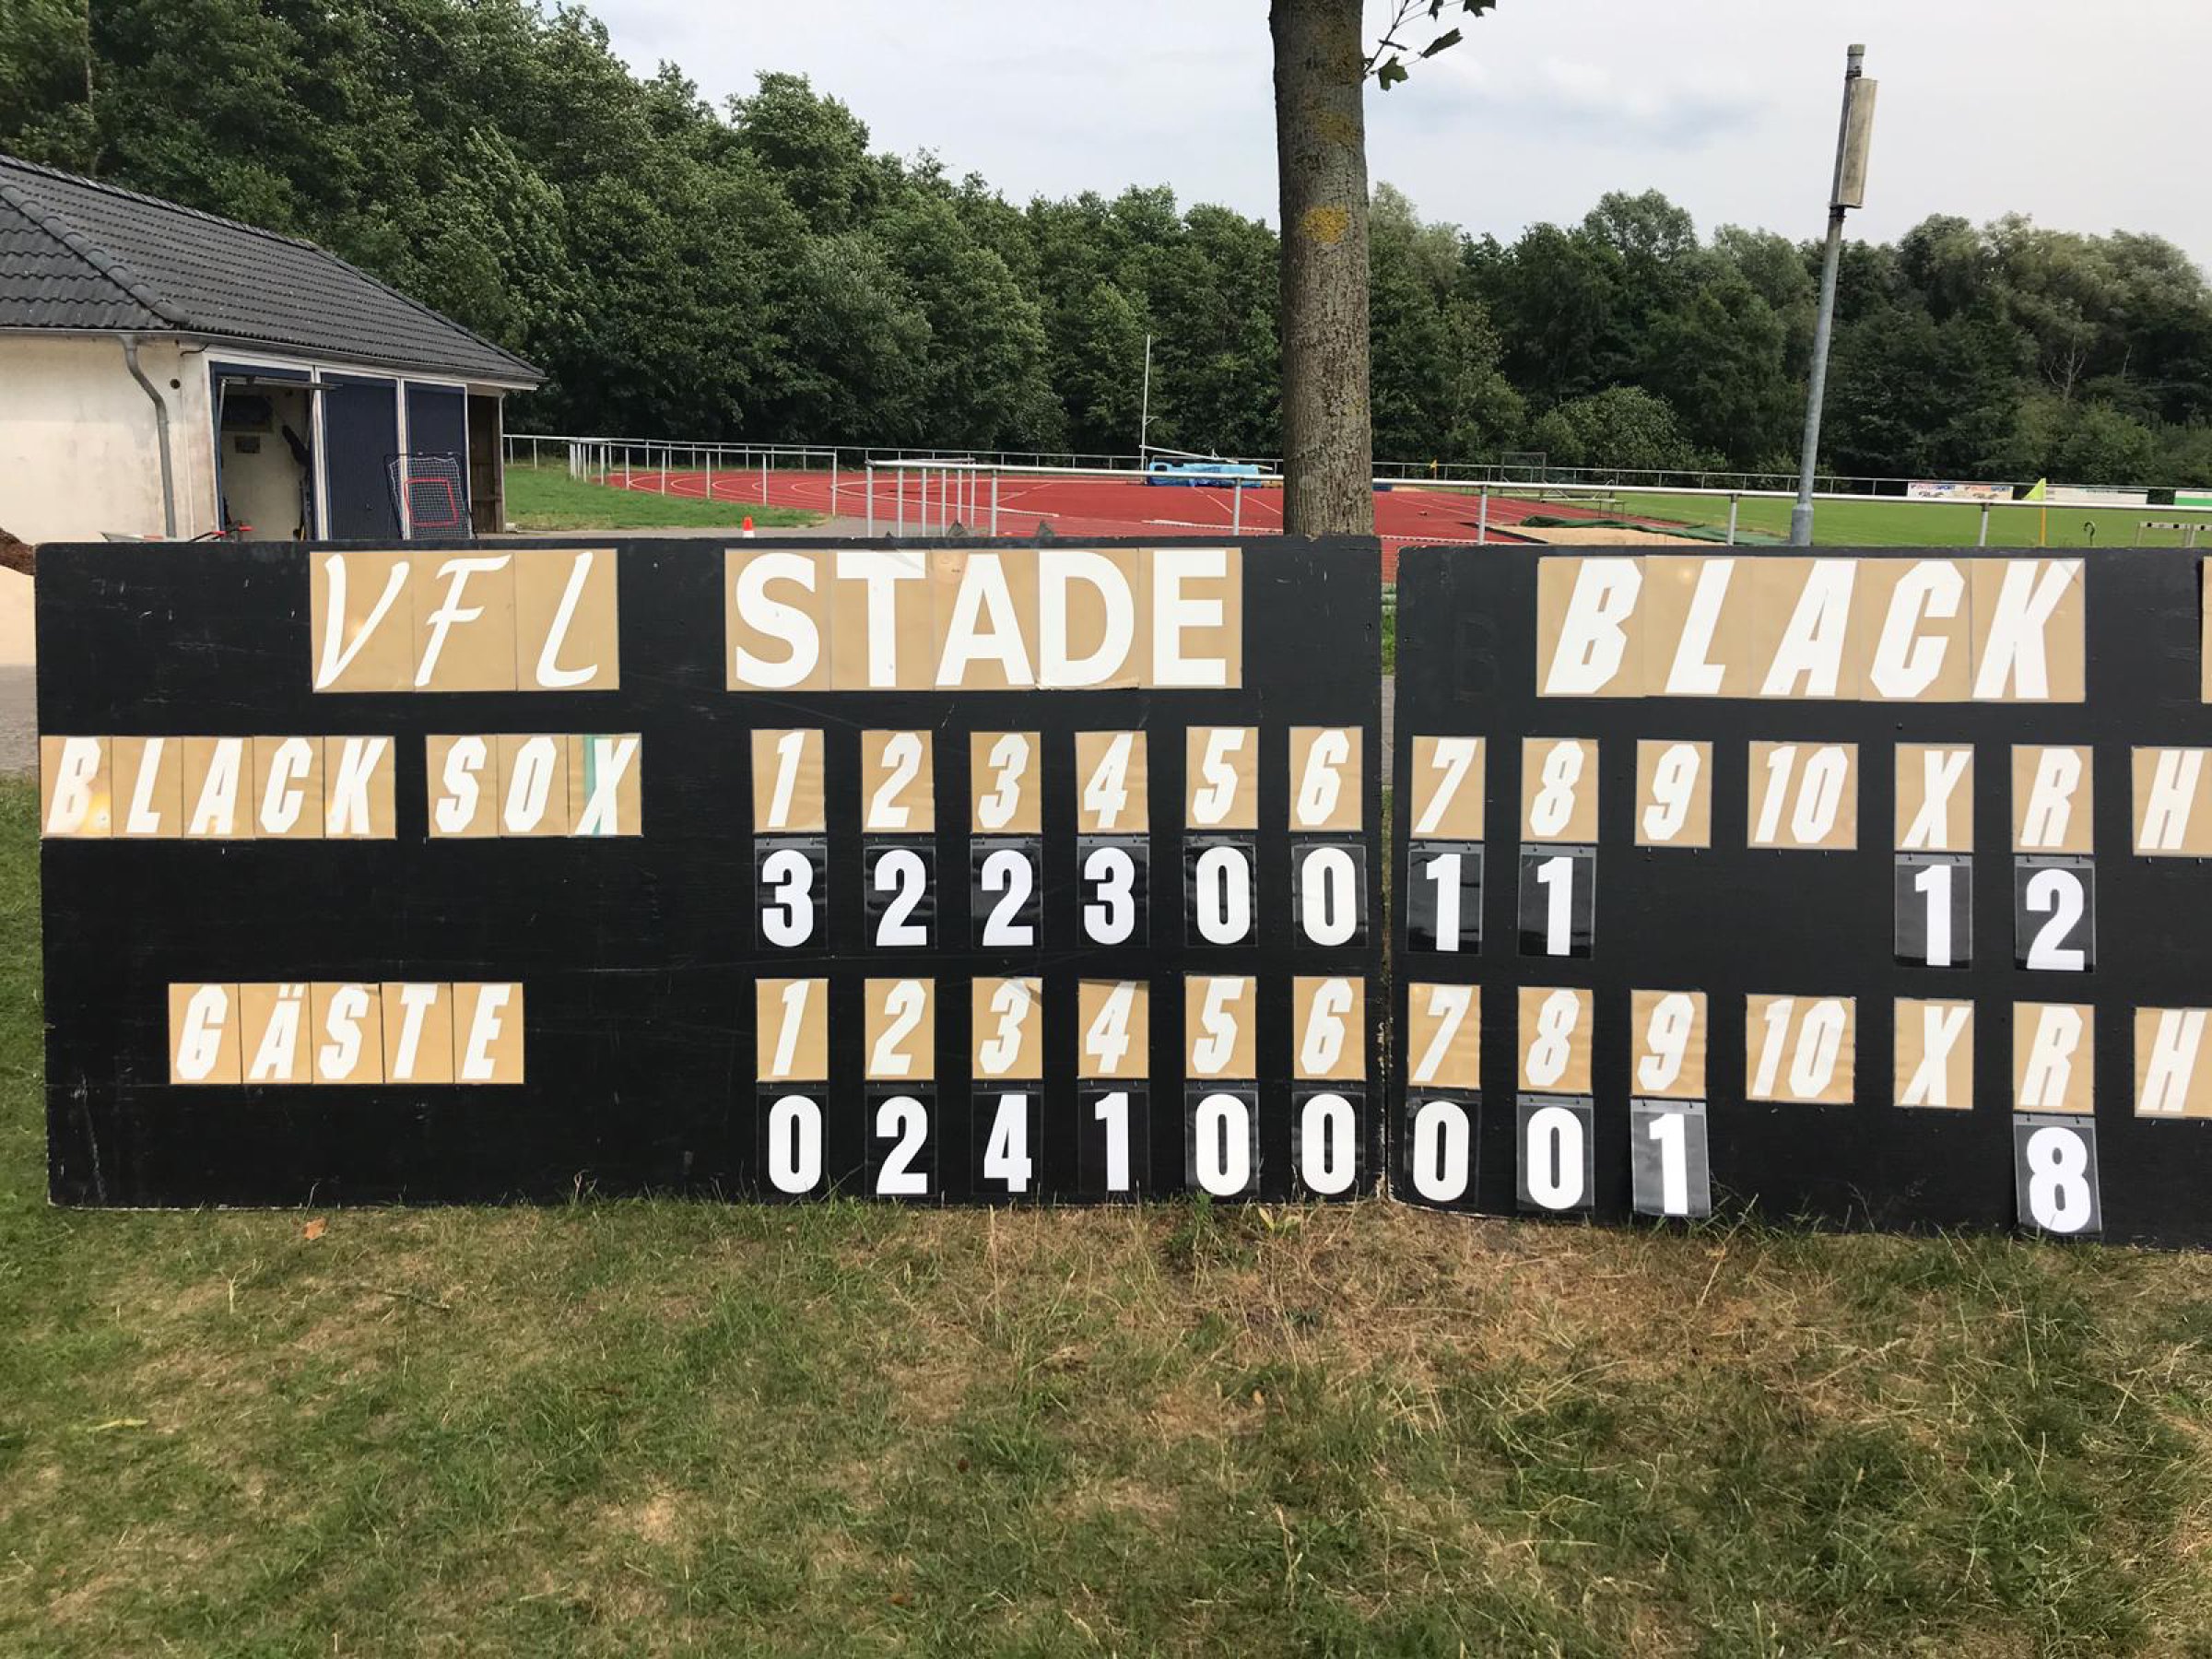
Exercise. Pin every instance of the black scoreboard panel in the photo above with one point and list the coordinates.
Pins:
(687, 866)
(1870, 889)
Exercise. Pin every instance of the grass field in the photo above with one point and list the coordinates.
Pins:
(547, 497)
(670, 1427)
(1897, 522)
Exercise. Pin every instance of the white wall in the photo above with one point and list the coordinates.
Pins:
(77, 449)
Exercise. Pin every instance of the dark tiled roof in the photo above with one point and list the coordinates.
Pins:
(77, 254)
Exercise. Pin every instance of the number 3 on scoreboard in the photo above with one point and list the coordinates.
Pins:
(1112, 860)
(1004, 787)
(787, 889)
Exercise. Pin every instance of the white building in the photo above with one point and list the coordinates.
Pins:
(165, 372)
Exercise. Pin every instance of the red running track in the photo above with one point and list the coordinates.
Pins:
(1107, 506)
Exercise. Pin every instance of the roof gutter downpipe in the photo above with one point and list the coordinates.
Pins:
(168, 485)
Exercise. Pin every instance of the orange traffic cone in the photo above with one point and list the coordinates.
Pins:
(747, 528)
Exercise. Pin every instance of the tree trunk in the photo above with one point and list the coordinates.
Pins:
(1321, 156)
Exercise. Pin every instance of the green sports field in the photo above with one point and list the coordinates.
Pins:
(1896, 523)
(545, 497)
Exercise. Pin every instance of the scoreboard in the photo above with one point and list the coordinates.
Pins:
(1868, 888)
(987, 872)
(1865, 888)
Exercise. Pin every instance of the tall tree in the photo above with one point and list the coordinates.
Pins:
(1321, 75)
(1321, 161)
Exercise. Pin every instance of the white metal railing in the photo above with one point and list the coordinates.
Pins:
(1738, 496)
(938, 491)
(544, 448)
(623, 461)
(528, 447)
(967, 496)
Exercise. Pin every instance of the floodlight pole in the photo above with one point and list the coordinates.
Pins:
(1848, 190)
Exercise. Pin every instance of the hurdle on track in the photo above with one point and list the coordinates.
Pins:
(962, 487)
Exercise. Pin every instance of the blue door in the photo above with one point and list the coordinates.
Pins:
(437, 434)
(360, 438)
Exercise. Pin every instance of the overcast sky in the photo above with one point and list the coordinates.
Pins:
(2087, 114)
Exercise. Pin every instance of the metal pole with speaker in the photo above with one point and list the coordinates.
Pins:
(1849, 191)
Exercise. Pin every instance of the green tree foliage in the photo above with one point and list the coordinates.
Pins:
(1622, 427)
(762, 270)
(1436, 386)
(47, 65)
(814, 148)
(984, 379)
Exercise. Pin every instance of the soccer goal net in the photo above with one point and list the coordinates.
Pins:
(429, 493)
